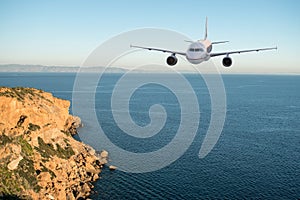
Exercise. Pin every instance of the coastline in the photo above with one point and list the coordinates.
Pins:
(39, 157)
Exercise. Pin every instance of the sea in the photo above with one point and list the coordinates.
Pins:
(257, 154)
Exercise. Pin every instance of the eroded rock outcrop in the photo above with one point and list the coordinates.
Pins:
(39, 159)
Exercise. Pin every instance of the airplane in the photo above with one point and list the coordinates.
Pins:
(200, 51)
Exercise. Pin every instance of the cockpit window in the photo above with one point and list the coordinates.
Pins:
(196, 49)
(199, 49)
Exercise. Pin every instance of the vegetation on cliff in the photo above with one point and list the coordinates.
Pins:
(39, 159)
(21, 93)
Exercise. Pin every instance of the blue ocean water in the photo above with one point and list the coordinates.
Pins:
(256, 157)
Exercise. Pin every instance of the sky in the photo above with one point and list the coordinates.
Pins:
(64, 33)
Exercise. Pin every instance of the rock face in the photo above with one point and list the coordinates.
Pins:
(39, 159)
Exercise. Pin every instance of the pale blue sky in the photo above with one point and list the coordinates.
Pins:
(65, 32)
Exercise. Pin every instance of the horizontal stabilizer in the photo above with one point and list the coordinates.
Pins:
(219, 42)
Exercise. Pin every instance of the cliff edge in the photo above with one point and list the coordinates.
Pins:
(39, 158)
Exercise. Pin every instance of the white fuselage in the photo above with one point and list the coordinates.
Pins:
(199, 51)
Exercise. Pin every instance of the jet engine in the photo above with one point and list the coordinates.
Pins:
(172, 60)
(227, 61)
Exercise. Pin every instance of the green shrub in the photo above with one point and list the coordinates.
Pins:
(33, 127)
(4, 139)
(47, 150)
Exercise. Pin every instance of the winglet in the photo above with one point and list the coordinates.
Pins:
(205, 36)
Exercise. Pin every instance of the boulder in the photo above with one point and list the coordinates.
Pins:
(104, 154)
(14, 164)
(112, 167)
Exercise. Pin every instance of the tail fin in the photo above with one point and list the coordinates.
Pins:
(205, 36)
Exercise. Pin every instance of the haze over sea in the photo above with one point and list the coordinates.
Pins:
(257, 155)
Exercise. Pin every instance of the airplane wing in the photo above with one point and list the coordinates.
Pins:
(162, 50)
(243, 51)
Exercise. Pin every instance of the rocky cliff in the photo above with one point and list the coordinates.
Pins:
(39, 159)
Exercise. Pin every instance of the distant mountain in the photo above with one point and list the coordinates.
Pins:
(74, 69)
(42, 68)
